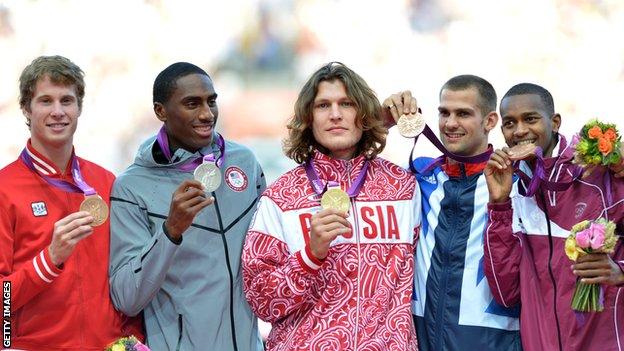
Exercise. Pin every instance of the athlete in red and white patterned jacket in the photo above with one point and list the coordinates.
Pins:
(326, 280)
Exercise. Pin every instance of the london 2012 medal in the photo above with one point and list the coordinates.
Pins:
(336, 199)
(209, 175)
(411, 125)
(522, 151)
(96, 207)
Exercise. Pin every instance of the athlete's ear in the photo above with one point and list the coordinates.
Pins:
(555, 121)
(490, 121)
(159, 110)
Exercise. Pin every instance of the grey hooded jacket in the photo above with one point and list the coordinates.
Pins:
(191, 294)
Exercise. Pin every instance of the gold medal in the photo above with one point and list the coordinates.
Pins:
(335, 198)
(411, 125)
(96, 207)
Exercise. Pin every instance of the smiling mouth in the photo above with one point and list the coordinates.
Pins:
(454, 135)
(57, 125)
(204, 129)
(526, 142)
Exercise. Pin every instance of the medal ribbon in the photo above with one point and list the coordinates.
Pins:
(482, 157)
(80, 187)
(317, 184)
(539, 175)
(163, 142)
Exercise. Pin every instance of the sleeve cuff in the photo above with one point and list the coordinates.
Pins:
(177, 242)
(500, 206)
(307, 260)
(45, 269)
(501, 212)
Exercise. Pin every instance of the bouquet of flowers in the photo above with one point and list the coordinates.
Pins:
(598, 144)
(589, 237)
(127, 344)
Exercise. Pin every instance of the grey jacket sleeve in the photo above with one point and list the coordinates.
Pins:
(140, 255)
(260, 180)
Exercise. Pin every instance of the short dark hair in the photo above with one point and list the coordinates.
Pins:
(165, 82)
(533, 89)
(59, 69)
(487, 94)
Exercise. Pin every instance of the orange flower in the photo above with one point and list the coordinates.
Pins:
(594, 132)
(604, 146)
(610, 134)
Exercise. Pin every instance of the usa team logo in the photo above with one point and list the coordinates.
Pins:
(236, 179)
(39, 209)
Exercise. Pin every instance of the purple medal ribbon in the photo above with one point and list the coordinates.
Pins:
(163, 142)
(482, 157)
(539, 175)
(317, 184)
(80, 187)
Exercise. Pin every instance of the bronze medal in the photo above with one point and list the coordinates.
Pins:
(411, 125)
(520, 152)
(96, 207)
(335, 198)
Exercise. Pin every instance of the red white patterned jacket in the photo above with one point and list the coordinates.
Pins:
(358, 297)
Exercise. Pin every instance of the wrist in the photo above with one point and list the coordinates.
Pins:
(54, 259)
(499, 200)
(319, 256)
(176, 239)
(620, 280)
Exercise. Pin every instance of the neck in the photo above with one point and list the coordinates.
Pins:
(479, 152)
(342, 156)
(58, 154)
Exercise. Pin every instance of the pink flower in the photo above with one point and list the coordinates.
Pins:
(582, 238)
(140, 347)
(597, 236)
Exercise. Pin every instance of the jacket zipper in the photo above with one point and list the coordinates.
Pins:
(439, 325)
(359, 270)
(179, 335)
(229, 269)
(79, 272)
(550, 271)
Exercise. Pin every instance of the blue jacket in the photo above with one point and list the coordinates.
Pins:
(452, 303)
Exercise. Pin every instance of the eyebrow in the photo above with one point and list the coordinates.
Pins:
(197, 97)
(44, 96)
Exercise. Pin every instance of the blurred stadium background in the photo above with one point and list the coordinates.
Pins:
(259, 53)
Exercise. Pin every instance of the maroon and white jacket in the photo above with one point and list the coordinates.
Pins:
(358, 297)
(524, 264)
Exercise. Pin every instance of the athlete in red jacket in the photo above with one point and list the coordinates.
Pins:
(330, 279)
(53, 257)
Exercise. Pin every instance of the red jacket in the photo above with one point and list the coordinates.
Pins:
(358, 297)
(524, 264)
(51, 308)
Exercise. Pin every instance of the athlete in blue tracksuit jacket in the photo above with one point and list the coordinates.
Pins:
(452, 303)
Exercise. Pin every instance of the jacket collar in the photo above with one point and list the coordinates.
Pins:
(332, 169)
(43, 165)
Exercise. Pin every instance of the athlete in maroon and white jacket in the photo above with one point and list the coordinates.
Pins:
(525, 260)
(328, 280)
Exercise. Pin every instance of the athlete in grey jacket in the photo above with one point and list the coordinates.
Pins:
(177, 257)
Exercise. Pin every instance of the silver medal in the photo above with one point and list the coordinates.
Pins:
(209, 175)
